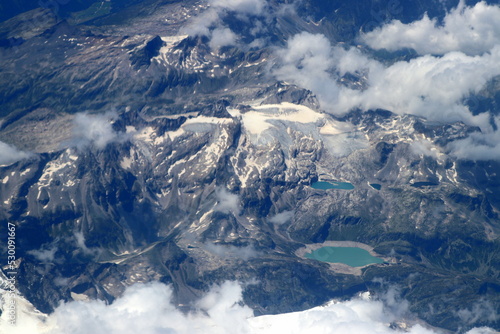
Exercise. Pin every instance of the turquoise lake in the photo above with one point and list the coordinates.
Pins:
(352, 256)
(332, 185)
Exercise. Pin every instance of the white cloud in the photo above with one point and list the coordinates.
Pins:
(9, 154)
(80, 242)
(481, 310)
(223, 304)
(209, 24)
(230, 251)
(143, 308)
(222, 37)
(44, 254)
(281, 217)
(472, 30)
(210, 19)
(227, 202)
(200, 25)
(433, 87)
(61, 281)
(254, 7)
(359, 315)
(428, 86)
(424, 147)
(307, 62)
(148, 309)
(94, 129)
(482, 330)
(478, 145)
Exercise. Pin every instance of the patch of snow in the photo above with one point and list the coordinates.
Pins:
(209, 120)
(174, 134)
(258, 120)
(334, 128)
(174, 39)
(69, 183)
(25, 172)
(130, 129)
(205, 215)
(51, 168)
(147, 134)
(126, 162)
(178, 162)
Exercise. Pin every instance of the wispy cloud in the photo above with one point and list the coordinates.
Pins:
(222, 37)
(45, 254)
(230, 251)
(482, 310)
(80, 242)
(424, 147)
(307, 61)
(9, 154)
(201, 24)
(483, 145)
(252, 7)
(281, 217)
(227, 202)
(97, 130)
(210, 22)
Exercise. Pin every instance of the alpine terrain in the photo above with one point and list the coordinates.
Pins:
(185, 148)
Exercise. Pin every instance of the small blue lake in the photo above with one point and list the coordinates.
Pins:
(332, 185)
(352, 256)
(376, 186)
